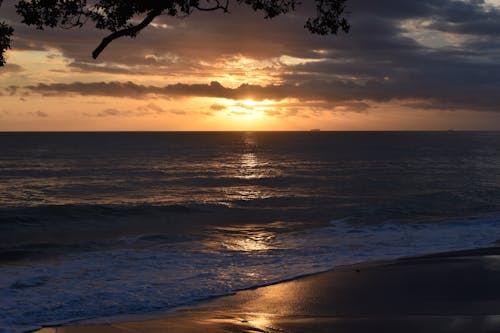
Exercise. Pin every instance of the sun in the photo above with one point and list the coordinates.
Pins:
(243, 114)
(250, 103)
(247, 110)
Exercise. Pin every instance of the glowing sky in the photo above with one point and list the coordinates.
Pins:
(405, 65)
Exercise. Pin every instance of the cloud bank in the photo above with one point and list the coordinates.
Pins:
(428, 54)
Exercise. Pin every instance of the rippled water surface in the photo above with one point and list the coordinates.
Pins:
(104, 224)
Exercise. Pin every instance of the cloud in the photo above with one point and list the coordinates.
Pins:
(244, 106)
(11, 68)
(39, 114)
(150, 109)
(438, 54)
(314, 90)
(83, 67)
(217, 107)
(11, 90)
(357, 107)
(132, 90)
(178, 112)
(481, 97)
(110, 112)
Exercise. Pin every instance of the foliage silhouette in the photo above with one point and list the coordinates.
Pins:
(120, 17)
(5, 39)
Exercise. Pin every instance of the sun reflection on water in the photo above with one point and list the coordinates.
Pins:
(249, 167)
(260, 321)
(247, 322)
(259, 241)
(245, 238)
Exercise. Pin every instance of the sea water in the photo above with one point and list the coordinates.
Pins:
(98, 225)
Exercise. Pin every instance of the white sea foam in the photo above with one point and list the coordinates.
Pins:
(164, 275)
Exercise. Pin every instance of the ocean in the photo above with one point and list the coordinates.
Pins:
(99, 225)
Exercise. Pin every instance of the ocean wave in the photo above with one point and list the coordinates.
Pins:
(166, 272)
(29, 214)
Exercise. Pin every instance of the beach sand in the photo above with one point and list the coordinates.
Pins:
(448, 292)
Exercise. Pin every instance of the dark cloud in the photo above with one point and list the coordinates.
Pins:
(479, 97)
(356, 106)
(132, 90)
(11, 90)
(11, 68)
(440, 54)
(311, 91)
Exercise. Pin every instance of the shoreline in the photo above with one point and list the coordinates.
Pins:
(454, 291)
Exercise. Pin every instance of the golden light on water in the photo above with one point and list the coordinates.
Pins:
(247, 322)
(260, 321)
(248, 238)
(266, 309)
(249, 161)
(256, 241)
(249, 167)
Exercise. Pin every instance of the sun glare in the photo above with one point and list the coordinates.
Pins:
(250, 103)
(249, 109)
(247, 114)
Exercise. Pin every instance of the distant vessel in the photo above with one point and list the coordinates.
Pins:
(315, 130)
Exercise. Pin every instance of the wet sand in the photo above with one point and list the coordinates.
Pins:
(446, 292)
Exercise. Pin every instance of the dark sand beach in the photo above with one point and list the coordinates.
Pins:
(446, 292)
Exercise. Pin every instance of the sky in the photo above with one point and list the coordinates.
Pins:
(405, 65)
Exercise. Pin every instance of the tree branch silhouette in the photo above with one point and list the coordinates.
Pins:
(118, 16)
(132, 32)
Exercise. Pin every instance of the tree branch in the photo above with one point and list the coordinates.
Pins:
(132, 31)
(216, 7)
